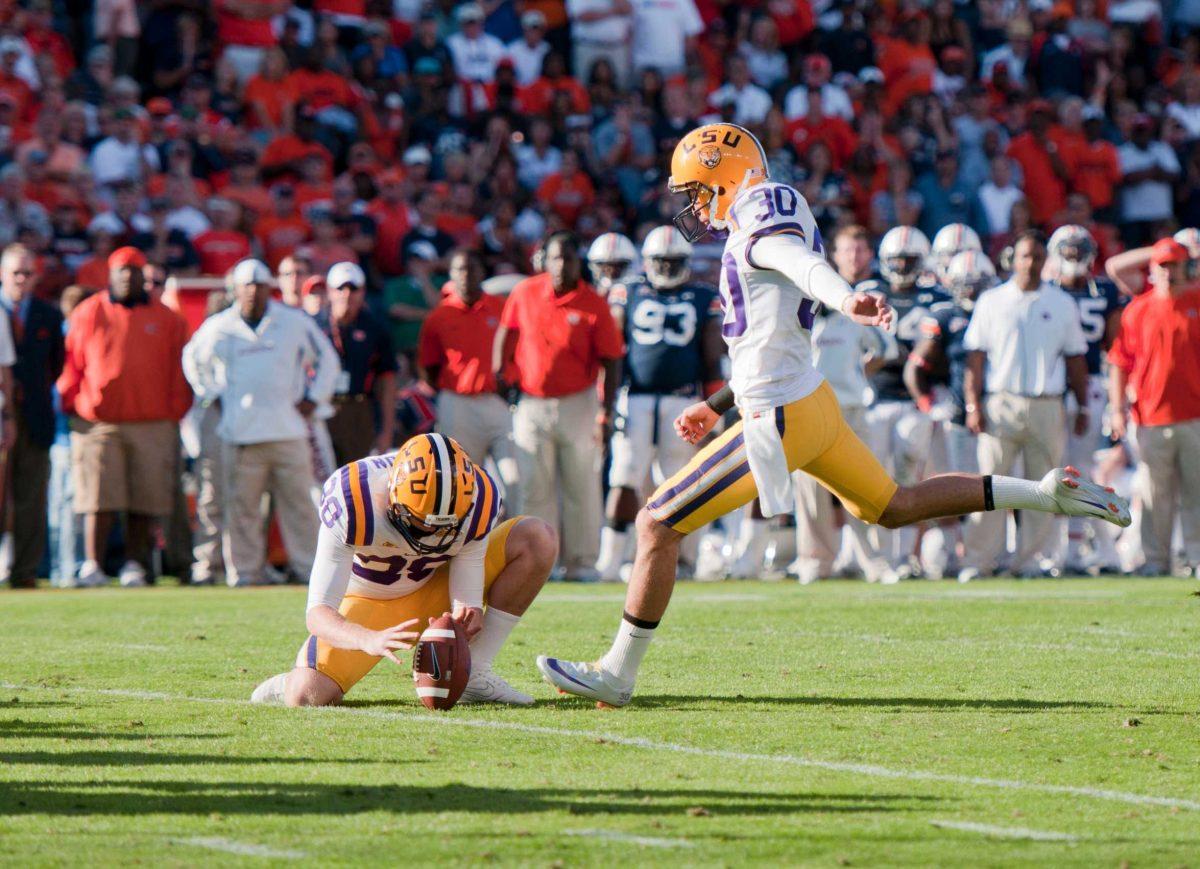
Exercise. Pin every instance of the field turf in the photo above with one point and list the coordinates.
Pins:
(1001, 723)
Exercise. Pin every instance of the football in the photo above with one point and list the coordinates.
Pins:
(441, 663)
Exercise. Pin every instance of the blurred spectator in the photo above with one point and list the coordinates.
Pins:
(37, 331)
(556, 337)
(1042, 166)
(283, 228)
(750, 102)
(946, 199)
(998, 196)
(474, 51)
(600, 31)
(664, 34)
(254, 359)
(834, 100)
(456, 360)
(1148, 168)
(221, 246)
(1094, 164)
(244, 29)
(161, 243)
(366, 387)
(528, 52)
(293, 272)
(1027, 334)
(425, 234)
(1155, 384)
(123, 383)
(408, 299)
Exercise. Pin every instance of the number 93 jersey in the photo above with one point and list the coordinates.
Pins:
(768, 319)
(663, 330)
(354, 508)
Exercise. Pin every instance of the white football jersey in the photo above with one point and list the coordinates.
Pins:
(354, 508)
(768, 318)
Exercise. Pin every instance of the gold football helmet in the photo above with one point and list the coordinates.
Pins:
(712, 164)
(431, 491)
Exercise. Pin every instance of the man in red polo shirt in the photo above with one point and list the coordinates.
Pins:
(558, 334)
(1156, 363)
(123, 385)
(455, 357)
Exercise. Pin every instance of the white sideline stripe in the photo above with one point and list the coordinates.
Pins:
(705, 597)
(244, 849)
(864, 769)
(432, 692)
(438, 634)
(1005, 832)
(617, 836)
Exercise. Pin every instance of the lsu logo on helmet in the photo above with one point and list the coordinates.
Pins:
(431, 491)
(712, 164)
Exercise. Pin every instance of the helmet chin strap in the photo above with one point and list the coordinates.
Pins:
(720, 223)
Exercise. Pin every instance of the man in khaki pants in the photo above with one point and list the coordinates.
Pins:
(455, 357)
(1028, 335)
(255, 358)
(1156, 358)
(558, 334)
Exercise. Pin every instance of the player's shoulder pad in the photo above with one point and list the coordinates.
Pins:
(486, 511)
(348, 499)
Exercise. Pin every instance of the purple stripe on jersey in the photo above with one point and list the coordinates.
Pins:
(477, 514)
(780, 422)
(807, 314)
(311, 652)
(368, 508)
(767, 232)
(706, 496)
(737, 298)
(706, 466)
(348, 497)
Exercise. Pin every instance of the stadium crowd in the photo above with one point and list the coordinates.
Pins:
(366, 181)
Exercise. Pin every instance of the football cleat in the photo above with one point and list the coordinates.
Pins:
(584, 680)
(487, 687)
(1076, 496)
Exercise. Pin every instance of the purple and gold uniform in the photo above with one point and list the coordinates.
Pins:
(367, 571)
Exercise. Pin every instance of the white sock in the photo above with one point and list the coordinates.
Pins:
(612, 552)
(628, 649)
(497, 625)
(271, 690)
(1013, 493)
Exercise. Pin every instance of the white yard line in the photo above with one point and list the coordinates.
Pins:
(617, 836)
(243, 849)
(1005, 832)
(702, 597)
(863, 769)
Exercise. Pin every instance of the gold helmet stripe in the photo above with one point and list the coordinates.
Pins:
(442, 468)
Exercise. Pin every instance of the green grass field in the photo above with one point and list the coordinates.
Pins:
(998, 723)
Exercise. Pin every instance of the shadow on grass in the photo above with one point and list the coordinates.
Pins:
(949, 704)
(290, 798)
(161, 758)
(19, 728)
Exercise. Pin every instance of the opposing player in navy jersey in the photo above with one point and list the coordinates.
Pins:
(1072, 254)
(900, 431)
(672, 328)
(935, 374)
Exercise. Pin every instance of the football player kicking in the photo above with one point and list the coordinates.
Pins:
(404, 538)
(773, 273)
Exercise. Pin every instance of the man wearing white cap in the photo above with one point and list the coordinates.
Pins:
(475, 51)
(255, 358)
(364, 399)
(528, 52)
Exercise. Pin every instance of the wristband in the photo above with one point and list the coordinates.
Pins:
(720, 401)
